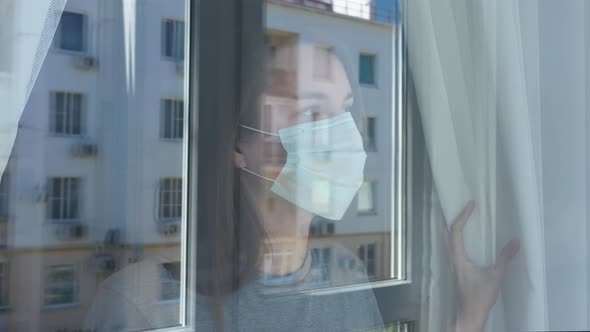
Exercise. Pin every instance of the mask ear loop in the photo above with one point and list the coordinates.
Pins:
(260, 131)
(258, 175)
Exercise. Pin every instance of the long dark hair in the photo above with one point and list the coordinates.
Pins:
(229, 231)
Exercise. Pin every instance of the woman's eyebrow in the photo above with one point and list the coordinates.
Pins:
(312, 95)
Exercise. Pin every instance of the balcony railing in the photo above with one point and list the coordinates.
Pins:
(365, 9)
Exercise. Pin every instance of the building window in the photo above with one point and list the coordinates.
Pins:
(366, 253)
(63, 199)
(322, 62)
(173, 39)
(172, 119)
(170, 281)
(367, 198)
(367, 64)
(61, 285)
(371, 142)
(4, 285)
(170, 199)
(66, 113)
(71, 32)
(321, 195)
(321, 263)
(4, 196)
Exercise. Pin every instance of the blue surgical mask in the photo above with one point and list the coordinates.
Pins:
(324, 168)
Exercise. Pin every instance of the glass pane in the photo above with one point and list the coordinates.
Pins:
(71, 32)
(87, 240)
(285, 230)
(367, 69)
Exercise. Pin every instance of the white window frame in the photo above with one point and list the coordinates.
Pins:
(375, 57)
(401, 290)
(328, 67)
(65, 198)
(365, 258)
(58, 35)
(372, 141)
(69, 110)
(75, 285)
(172, 113)
(178, 44)
(373, 185)
(171, 186)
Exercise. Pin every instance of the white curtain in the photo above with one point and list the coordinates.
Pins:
(27, 28)
(479, 108)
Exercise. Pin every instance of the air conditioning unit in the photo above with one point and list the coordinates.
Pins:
(328, 228)
(169, 228)
(104, 263)
(180, 68)
(86, 63)
(39, 194)
(84, 150)
(70, 231)
(314, 230)
(112, 237)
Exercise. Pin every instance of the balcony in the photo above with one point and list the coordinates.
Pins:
(364, 9)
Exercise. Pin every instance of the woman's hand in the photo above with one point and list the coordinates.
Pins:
(476, 287)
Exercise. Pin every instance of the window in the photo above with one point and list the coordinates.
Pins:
(170, 199)
(321, 263)
(61, 285)
(366, 253)
(66, 113)
(172, 119)
(63, 201)
(170, 281)
(4, 285)
(322, 62)
(71, 32)
(367, 198)
(321, 195)
(4, 196)
(371, 140)
(173, 39)
(367, 64)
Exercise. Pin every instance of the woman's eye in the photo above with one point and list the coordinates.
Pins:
(309, 111)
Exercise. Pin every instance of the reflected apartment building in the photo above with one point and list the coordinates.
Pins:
(94, 183)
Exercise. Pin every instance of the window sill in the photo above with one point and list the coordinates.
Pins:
(58, 135)
(369, 86)
(168, 220)
(172, 59)
(64, 221)
(171, 140)
(61, 51)
(169, 302)
(61, 306)
(367, 214)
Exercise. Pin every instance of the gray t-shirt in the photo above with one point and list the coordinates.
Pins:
(270, 304)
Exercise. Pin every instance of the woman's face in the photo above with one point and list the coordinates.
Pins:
(305, 83)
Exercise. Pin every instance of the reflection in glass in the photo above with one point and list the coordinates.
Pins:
(91, 200)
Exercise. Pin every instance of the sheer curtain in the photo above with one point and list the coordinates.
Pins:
(27, 28)
(477, 91)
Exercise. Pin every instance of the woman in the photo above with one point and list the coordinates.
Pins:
(283, 160)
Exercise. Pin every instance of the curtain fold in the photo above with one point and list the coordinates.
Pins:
(467, 61)
(27, 28)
